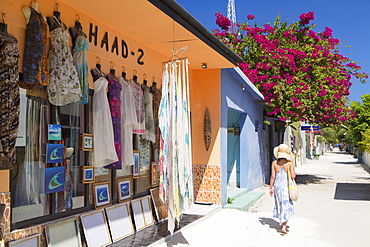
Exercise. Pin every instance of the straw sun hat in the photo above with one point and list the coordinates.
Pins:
(282, 151)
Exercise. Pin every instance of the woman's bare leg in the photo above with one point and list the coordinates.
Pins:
(283, 228)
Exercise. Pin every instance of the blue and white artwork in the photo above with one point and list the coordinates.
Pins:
(102, 197)
(54, 179)
(89, 174)
(54, 153)
(124, 188)
(54, 132)
(102, 194)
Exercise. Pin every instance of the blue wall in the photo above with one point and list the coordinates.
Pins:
(248, 103)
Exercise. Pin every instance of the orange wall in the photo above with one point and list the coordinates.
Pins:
(205, 93)
(153, 60)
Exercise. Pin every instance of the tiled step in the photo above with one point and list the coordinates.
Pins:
(245, 201)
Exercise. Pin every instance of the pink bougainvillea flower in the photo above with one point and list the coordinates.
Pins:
(222, 21)
(251, 17)
(307, 17)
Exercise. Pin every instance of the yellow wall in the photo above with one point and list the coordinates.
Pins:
(153, 60)
(205, 93)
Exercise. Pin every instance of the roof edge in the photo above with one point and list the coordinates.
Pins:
(243, 80)
(185, 19)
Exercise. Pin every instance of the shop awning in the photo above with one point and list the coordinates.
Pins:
(161, 25)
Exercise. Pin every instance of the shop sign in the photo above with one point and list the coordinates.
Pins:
(117, 46)
(308, 127)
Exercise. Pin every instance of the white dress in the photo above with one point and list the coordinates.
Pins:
(128, 121)
(104, 149)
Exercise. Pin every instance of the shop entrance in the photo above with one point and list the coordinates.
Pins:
(233, 150)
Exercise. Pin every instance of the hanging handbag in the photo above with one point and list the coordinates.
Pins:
(292, 188)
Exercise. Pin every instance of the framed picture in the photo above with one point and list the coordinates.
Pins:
(31, 241)
(124, 189)
(70, 236)
(102, 195)
(119, 221)
(136, 169)
(54, 132)
(142, 212)
(54, 179)
(87, 174)
(95, 228)
(159, 207)
(87, 142)
(154, 169)
(54, 153)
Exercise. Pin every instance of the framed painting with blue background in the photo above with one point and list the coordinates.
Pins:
(87, 174)
(87, 142)
(136, 168)
(102, 195)
(54, 132)
(124, 189)
(54, 179)
(54, 153)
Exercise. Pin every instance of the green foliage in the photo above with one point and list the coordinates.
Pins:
(230, 200)
(301, 73)
(358, 128)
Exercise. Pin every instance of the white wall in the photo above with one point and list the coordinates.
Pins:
(366, 158)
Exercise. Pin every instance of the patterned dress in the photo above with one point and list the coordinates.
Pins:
(64, 86)
(80, 59)
(9, 97)
(35, 64)
(114, 93)
(284, 208)
(138, 93)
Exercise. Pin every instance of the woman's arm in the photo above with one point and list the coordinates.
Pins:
(292, 170)
(272, 179)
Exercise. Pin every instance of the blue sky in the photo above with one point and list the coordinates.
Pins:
(350, 21)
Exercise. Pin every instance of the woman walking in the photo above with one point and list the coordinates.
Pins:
(284, 208)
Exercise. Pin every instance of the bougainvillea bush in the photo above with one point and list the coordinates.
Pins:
(301, 73)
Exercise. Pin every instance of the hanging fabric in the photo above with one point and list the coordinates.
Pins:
(175, 161)
(104, 149)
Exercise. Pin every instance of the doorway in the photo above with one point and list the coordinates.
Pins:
(233, 150)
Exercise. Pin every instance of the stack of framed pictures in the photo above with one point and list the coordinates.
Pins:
(70, 237)
(31, 241)
(119, 220)
(96, 229)
(142, 212)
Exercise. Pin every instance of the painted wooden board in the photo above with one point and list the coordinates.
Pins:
(207, 129)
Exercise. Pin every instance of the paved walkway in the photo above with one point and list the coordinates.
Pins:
(333, 210)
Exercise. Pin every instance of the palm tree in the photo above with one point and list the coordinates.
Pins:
(334, 133)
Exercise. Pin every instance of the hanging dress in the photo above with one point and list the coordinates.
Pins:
(114, 93)
(139, 128)
(104, 149)
(81, 63)
(149, 119)
(284, 208)
(35, 64)
(129, 120)
(157, 95)
(64, 86)
(9, 96)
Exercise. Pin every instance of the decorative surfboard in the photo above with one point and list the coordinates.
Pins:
(207, 129)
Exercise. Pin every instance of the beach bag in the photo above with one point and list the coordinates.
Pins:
(292, 188)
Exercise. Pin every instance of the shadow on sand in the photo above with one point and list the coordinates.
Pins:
(352, 191)
(273, 224)
(310, 179)
(177, 239)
